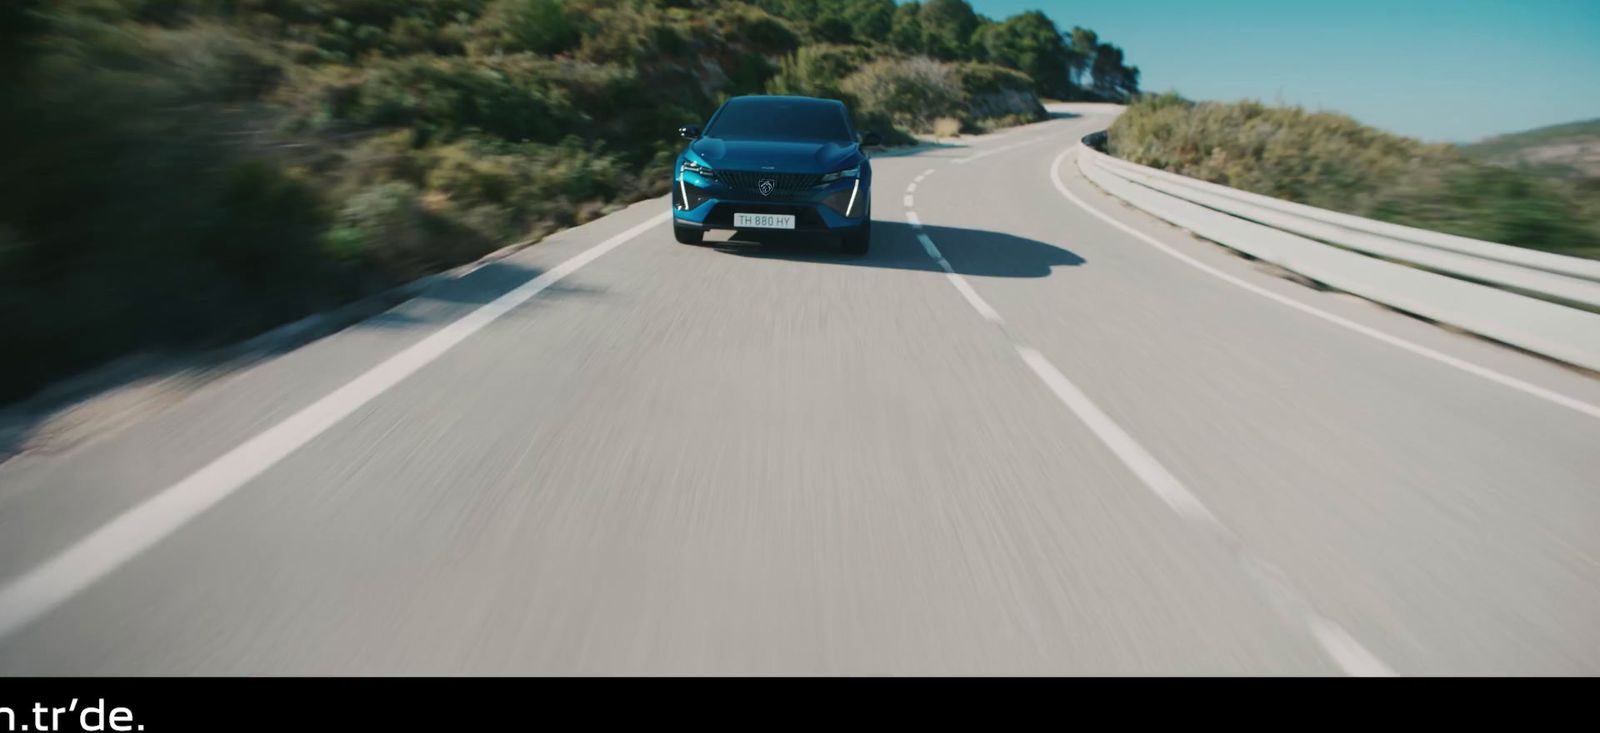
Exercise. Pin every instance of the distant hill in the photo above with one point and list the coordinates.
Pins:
(1571, 149)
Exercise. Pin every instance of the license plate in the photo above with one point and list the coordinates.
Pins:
(764, 221)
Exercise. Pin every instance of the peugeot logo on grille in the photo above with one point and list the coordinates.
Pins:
(766, 185)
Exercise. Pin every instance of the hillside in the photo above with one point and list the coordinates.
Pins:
(1333, 162)
(1571, 149)
(185, 172)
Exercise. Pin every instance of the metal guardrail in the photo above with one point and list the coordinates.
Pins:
(1572, 279)
(1298, 237)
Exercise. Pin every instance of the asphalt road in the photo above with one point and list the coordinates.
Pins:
(1092, 445)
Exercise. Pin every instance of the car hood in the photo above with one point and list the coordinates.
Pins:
(779, 156)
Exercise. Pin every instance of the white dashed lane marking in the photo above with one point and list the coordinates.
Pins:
(1342, 648)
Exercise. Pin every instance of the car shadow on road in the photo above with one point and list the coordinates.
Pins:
(975, 252)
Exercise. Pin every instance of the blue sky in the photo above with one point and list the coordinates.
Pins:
(1440, 70)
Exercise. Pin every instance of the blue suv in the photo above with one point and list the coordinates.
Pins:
(783, 163)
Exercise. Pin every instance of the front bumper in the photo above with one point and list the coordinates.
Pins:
(703, 203)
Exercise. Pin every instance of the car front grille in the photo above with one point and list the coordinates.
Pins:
(783, 184)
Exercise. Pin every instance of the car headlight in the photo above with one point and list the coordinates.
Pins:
(690, 166)
(847, 173)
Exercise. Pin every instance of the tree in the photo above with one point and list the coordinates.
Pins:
(1030, 43)
(1128, 85)
(905, 31)
(947, 27)
(1084, 45)
(1113, 79)
(833, 29)
(540, 26)
(871, 19)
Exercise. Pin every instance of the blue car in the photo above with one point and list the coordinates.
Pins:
(775, 163)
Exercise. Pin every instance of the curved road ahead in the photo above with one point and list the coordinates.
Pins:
(1034, 431)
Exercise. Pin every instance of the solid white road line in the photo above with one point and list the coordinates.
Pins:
(1441, 357)
(107, 548)
(1002, 149)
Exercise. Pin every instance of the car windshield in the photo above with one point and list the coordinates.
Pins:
(776, 119)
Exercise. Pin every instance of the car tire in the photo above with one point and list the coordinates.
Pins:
(686, 235)
(858, 240)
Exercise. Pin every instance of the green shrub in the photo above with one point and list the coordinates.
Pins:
(998, 94)
(539, 26)
(493, 222)
(446, 98)
(1319, 158)
(818, 70)
(911, 92)
(760, 32)
(382, 225)
(268, 220)
(1333, 162)
(628, 35)
(989, 124)
(1495, 204)
(210, 61)
(915, 93)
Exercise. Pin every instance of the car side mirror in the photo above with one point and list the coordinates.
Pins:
(689, 132)
(871, 139)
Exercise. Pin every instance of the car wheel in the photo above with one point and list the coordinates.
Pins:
(858, 241)
(685, 235)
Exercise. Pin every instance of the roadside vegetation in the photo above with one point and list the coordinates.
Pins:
(1333, 162)
(185, 172)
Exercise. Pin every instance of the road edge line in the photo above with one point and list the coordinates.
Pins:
(38, 591)
(1503, 379)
